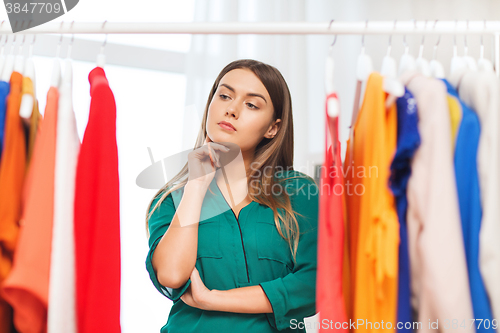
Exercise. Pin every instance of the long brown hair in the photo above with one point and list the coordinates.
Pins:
(270, 154)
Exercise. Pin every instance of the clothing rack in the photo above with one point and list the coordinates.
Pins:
(333, 27)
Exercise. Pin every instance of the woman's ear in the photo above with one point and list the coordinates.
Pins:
(273, 130)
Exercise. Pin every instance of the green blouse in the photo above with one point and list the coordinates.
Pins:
(246, 251)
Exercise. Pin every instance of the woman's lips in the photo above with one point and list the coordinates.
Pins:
(226, 126)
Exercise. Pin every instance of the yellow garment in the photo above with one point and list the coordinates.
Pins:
(34, 119)
(373, 224)
(455, 117)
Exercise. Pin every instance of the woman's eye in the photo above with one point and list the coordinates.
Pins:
(251, 106)
(224, 96)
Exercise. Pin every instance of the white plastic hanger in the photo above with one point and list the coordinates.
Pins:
(101, 58)
(422, 63)
(391, 84)
(457, 63)
(333, 105)
(8, 67)
(484, 64)
(469, 61)
(67, 80)
(436, 68)
(364, 64)
(55, 79)
(19, 59)
(407, 61)
(363, 69)
(27, 100)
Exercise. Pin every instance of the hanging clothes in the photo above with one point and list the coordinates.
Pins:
(4, 92)
(408, 141)
(480, 90)
(62, 302)
(373, 221)
(329, 292)
(35, 118)
(455, 117)
(12, 176)
(97, 215)
(439, 280)
(27, 286)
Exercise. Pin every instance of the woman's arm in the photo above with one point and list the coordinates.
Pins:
(175, 256)
(240, 300)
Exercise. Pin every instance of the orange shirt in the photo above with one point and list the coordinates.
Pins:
(372, 218)
(12, 173)
(27, 287)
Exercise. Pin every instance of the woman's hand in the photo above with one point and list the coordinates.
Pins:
(197, 294)
(202, 162)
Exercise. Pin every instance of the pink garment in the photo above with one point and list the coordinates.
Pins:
(439, 278)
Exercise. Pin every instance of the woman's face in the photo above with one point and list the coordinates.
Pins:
(242, 101)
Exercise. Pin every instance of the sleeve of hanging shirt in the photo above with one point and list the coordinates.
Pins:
(158, 224)
(294, 295)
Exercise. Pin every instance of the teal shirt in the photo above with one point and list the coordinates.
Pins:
(248, 251)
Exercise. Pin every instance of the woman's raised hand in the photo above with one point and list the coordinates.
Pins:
(202, 163)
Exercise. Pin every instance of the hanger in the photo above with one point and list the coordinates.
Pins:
(19, 58)
(56, 66)
(422, 63)
(457, 63)
(8, 67)
(364, 65)
(27, 101)
(436, 68)
(391, 84)
(29, 67)
(484, 64)
(68, 68)
(407, 61)
(333, 106)
(101, 58)
(363, 69)
(469, 61)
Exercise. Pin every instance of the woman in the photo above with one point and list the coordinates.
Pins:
(249, 266)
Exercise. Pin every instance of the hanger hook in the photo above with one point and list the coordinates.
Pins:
(390, 36)
(466, 48)
(484, 28)
(105, 38)
(60, 28)
(70, 45)
(58, 52)
(423, 35)
(363, 36)
(455, 35)
(439, 36)
(335, 39)
(73, 35)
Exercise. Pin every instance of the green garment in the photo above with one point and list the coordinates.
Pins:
(248, 251)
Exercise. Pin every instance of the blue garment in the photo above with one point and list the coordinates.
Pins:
(408, 140)
(470, 205)
(4, 91)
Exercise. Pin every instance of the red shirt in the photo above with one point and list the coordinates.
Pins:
(329, 291)
(97, 215)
